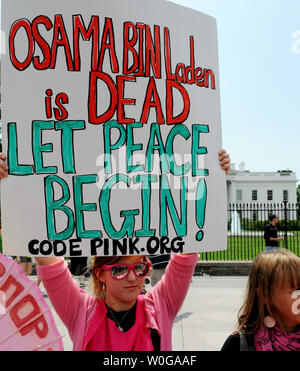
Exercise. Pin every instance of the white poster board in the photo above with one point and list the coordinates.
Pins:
(111, 124)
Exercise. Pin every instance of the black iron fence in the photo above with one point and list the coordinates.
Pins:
(246, 223)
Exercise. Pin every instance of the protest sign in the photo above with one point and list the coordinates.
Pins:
(111, 125)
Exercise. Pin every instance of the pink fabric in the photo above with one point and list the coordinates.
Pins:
(274, 339)
(108, 337)
(79, 310)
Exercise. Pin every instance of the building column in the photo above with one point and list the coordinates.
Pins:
(232, 192)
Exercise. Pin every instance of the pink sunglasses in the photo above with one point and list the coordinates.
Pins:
(121, 271)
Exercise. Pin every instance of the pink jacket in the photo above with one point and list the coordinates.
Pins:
(77, 309)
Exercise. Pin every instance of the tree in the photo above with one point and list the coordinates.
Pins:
(298, 193)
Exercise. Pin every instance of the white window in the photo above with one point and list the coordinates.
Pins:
(239, 195)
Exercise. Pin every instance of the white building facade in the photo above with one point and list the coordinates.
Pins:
(261, 188)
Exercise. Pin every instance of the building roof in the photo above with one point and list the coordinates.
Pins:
(283, 176)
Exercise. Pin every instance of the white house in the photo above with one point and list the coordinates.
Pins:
(260, 188)
(244, 186)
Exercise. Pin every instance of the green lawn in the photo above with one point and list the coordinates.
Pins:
(243, 248)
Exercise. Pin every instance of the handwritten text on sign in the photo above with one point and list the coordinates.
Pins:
(142, 103)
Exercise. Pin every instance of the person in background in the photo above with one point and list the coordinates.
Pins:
(26, 264)
(159, 263)
(269, 319)
(270, 235)
(78, 267)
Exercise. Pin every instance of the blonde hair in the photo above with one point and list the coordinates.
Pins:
(97, 262)
(279, 268)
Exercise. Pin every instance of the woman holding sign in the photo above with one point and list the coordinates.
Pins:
(118, 317)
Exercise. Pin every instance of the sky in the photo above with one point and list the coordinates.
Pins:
(259, 62)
